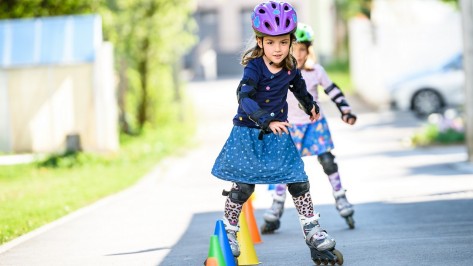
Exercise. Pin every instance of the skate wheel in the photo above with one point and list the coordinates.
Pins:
(350, 222)
(270, 227)
(339, 256)
(323, 257)
(264, 230)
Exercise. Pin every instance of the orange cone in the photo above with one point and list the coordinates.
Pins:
(247, 249)
(211, 262)
(251, 221)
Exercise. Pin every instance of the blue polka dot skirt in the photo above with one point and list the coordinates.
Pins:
(246, 159)
(313, 138)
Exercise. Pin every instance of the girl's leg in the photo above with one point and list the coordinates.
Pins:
(236, 197)
(314, 235)
(273, 214)
(327, 160)
(277, 208)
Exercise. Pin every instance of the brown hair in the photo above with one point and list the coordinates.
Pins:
(256, 51)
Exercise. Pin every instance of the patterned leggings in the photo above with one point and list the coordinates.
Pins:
(303, 204)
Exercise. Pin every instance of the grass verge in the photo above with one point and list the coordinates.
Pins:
(35, 194)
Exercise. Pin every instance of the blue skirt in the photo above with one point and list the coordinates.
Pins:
(313, 138)
(246, 159)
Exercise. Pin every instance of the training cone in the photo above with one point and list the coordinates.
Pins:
(215, 251)
(224, 244)
(247, 249)
(211, 262)
(251, 221)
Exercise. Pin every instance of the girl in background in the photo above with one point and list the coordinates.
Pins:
(313, 138)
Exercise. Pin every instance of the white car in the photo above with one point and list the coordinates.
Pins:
(431, 91)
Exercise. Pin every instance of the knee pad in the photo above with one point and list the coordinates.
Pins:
(327, 160)
(298, 189)
(240, 192)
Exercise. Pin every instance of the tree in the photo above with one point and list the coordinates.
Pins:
(150, 36)
(41, 8)
(344, 10)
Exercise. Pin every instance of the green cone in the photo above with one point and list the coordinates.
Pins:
(215, 251)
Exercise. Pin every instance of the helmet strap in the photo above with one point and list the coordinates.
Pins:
(272, 63)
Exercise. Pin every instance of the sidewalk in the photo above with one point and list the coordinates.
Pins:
(413, 206)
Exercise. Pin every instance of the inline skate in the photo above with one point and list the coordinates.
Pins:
(321, 244)
(273, 215)
(345, 209)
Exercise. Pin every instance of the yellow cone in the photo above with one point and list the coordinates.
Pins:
(247, 249)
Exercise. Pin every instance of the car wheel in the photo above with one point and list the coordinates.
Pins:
(426, 102)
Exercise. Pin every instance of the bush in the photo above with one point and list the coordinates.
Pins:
(447, 128)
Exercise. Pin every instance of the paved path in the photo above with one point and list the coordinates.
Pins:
(413, 206)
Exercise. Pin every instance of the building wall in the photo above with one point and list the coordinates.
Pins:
(48, 103)
(5, 128)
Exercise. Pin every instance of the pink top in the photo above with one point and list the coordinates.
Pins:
(313, 78)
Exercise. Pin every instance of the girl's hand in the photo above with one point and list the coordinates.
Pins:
(279, 127)
(314, 116)
(349, 118)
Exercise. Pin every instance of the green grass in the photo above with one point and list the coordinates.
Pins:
(35, 194)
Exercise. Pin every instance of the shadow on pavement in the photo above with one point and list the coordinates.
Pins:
(387, 233)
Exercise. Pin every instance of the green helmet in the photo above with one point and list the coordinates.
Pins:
(304, 33)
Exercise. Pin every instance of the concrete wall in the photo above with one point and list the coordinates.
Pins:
(41, 105)
(5, 128)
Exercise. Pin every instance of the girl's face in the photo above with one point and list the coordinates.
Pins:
(301, 53)
(276, 48)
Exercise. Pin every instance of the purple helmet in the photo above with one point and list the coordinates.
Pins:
(274, 18)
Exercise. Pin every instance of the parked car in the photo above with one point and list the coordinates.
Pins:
(431, 91)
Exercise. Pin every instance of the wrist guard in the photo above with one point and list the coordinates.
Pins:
(346, 117)
(307, 109)
(260, 119)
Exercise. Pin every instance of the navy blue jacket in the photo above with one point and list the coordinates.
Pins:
(270, 96)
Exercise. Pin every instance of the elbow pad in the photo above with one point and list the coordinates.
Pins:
(246, 94)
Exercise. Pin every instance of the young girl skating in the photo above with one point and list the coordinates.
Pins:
(259, 149)
(313, 138)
